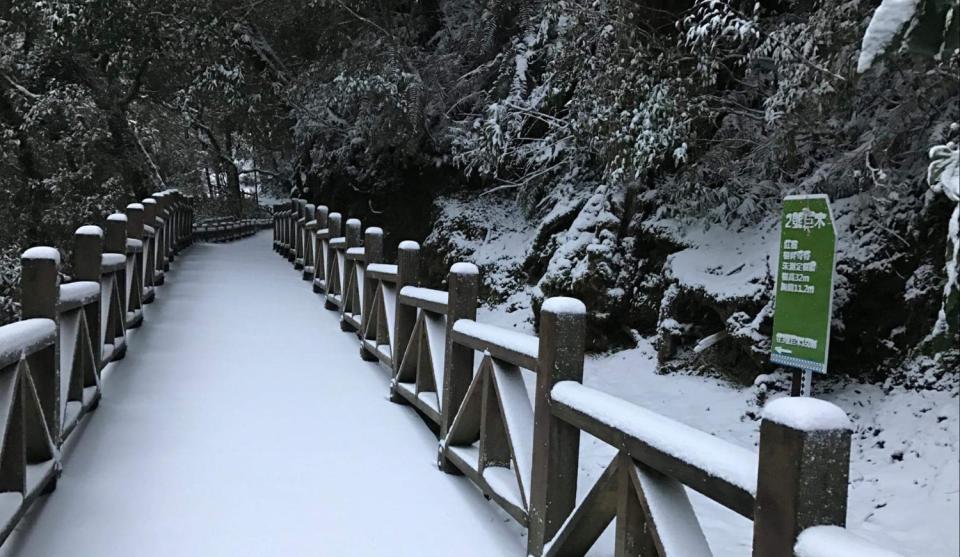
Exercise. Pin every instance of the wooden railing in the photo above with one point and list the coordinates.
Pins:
(51, 361)
(227, 229)
(466, 379)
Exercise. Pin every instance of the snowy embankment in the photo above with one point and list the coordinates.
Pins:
(905, 470)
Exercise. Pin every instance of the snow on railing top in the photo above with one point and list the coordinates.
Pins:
(382, 268)
(708, 453)
(834, 541)
(79, 293)
(25, 337)
(489, 337)
(42, 252)
(112, 259)
(428, 295)
(806, 414)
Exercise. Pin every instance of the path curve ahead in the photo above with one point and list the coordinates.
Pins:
(243, 422)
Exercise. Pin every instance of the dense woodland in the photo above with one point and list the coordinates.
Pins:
(617, 128)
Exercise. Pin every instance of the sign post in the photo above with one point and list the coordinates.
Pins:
(804, 291)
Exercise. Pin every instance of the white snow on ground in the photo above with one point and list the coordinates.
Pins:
(243, 422)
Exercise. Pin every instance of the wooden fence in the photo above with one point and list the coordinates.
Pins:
(226, 229)
(466, 379)
(51, 360)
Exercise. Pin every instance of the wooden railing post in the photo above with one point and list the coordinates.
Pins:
(136, 293)
(162, 228)
(116, 242)
(309, 233)
(352, 235)
(177, 218)
(404, 316)
(135, 221)
(319, 259)
(151, 246)
(290, 231)
(556, 444)
(171, 227)
(299, 224)
(177, 227)
(804, 472)
(373, 253)
(463, 287)
(276, 237)
(165, 231)
(87, 260)
(87, 253)
(40, 298)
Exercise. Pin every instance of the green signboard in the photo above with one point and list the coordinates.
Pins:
(804, 296)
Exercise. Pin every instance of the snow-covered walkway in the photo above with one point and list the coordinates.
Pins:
(243, 422)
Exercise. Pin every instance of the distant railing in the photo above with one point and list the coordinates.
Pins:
(524, 454)
(226, 229)
(51, 361)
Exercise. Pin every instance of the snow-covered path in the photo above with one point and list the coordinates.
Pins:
(243, 422)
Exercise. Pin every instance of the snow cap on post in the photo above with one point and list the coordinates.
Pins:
(464, 268)
(408, 245)
(89, 230)
(561, 305)
(117, 217)
(806, 414)
(42, 252)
